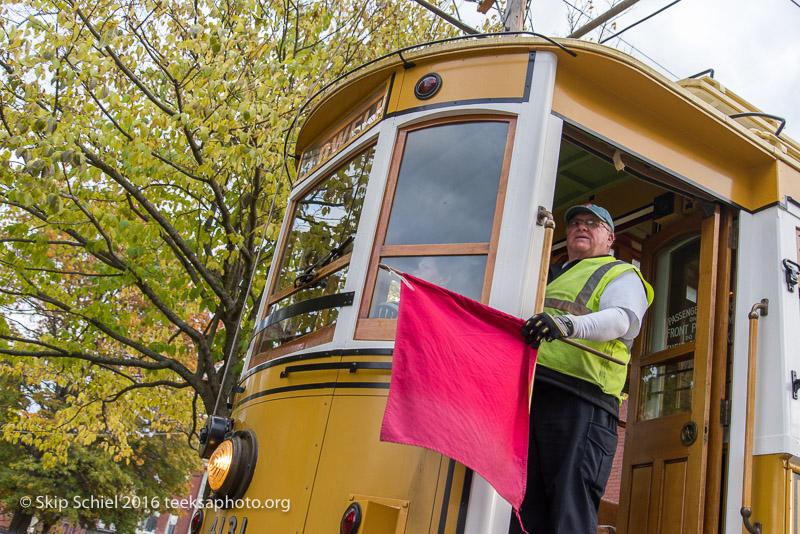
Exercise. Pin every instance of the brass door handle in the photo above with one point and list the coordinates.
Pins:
(689, 433)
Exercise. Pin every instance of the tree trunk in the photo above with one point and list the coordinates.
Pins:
(20, 523)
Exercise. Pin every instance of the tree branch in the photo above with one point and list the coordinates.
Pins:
(118, 62)
(207, 275)
(140, 385)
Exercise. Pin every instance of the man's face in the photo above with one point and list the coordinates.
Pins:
(587, 236)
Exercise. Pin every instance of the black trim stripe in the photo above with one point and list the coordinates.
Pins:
(462, 509)
(388, 96)
(324, 302)
(453, 103)
(316, 385)
(286, 389)
(350, 366)
(451, 467)
(315, 355)
(775, 204)
(526, 95)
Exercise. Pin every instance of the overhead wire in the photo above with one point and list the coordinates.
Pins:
(640, 21)
(795, 2)
(662, 67)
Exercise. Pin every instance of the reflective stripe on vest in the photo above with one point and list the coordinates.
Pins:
(577, 292)
(579, 307)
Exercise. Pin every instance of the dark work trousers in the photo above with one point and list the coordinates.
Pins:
(570, 455)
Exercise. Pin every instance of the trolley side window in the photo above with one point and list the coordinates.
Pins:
(441, 213)
(314, 261)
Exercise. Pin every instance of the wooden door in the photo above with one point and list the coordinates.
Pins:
(664, 469)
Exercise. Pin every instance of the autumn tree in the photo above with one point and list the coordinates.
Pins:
(155, 471)
(141, 147)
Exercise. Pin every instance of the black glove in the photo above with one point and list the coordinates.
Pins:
(544, 326)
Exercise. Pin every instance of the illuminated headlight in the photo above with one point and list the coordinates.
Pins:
(231, 466)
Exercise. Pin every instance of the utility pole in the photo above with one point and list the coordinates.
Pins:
(605, 17)
(514, 17)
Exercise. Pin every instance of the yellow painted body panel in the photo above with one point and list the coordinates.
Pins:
(464, 78)
(774, 492)
(290, 428)
(662, 127)
(318, 434)
(355, 461)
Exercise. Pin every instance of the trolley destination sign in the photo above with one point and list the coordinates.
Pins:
(347, 130)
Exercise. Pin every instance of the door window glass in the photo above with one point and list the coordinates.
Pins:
(306, 322)
(322, 231)
(666, 389)
(441, 210)
(325, 217)
(674, 310)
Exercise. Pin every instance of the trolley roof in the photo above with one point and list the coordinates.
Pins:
(684, 127)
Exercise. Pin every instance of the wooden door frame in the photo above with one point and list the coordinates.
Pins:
(704, 341)
(713, 497)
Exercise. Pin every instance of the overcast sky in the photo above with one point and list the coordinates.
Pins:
(752, 45)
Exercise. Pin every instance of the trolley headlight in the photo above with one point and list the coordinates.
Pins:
(213, 433)
(231, 466)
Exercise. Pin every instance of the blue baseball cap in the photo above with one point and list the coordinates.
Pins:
(594, 209)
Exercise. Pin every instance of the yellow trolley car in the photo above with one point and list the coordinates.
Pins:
(443, 161)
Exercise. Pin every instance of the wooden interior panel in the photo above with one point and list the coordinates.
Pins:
(673, 494)
(641, 481)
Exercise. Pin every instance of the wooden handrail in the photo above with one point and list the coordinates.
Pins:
(545, 219)
(761, 308)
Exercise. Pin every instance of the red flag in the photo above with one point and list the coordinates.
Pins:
(459, 386)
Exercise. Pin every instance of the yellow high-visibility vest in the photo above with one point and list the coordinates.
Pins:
(577, 292)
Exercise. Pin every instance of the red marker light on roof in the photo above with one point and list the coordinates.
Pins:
(351, 519)
(427, 86)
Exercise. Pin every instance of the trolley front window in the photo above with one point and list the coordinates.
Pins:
(314, 262)
(441, 214)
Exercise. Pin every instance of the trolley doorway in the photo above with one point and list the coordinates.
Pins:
(667, 469)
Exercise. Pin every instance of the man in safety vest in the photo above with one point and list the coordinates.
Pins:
(600, 301)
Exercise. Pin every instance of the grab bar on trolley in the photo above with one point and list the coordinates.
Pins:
(761, 308)
(543, 218)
